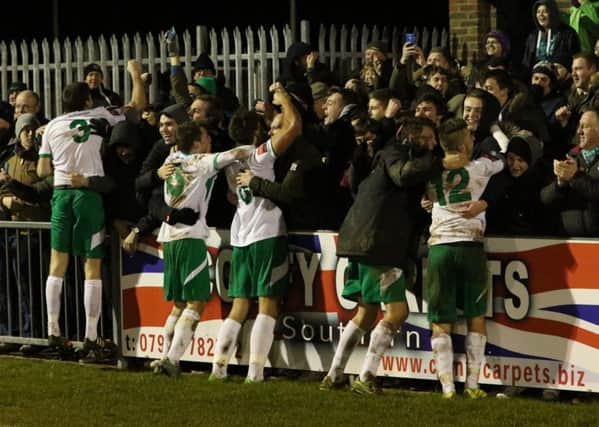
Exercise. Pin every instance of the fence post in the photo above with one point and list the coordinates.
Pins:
(305, 31)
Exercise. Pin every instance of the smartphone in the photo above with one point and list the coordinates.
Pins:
(410, 38)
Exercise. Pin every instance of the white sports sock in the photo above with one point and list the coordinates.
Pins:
(169, 331)
(443, 353)
(475, 351)
(92, 301)
(53, 291)
(184, 330)
(260, 344)
(380, 338)
(348, 340)
(225, 344)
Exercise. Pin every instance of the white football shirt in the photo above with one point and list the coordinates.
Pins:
(190, 186)
(256, 218)
(69, 141)
(450, 192)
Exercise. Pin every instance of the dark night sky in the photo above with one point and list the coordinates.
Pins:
(110, 16)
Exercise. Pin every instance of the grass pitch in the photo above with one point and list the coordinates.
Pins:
(49, 393)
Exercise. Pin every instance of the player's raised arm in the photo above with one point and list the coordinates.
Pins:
(292, 122)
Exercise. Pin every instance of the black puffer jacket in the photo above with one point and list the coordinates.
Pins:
(384, 223)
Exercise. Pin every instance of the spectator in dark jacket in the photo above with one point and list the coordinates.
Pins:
(122, 162)
(552, 37)
(513, 194)
(101, 96)
(575, 192)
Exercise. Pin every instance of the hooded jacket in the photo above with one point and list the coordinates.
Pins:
(564, 38)
(121, 203)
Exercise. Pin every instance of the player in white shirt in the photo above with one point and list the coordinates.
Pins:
(259, 268)
(457, 264)
(71, 145)
(186, 278)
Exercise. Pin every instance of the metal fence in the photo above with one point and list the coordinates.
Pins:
(24, 264)
(248, 58)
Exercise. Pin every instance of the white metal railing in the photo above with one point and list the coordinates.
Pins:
(248, 58)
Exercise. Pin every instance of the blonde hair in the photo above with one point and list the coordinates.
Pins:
(451, 134)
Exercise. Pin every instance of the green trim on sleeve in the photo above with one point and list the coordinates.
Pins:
(215, 162)
(47, 156)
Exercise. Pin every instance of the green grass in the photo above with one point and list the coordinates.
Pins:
(49, 393)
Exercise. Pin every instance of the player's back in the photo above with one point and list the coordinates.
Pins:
(451, 191)
(74, 147)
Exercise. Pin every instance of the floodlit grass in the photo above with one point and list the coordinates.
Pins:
(49, 393)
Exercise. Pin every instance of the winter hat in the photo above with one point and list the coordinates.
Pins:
(16, 87)
(544, 68)
(177, 112)
(208, 83)
(502, 39)
(89, 68)
(377, 45)
(204, 63)
(27, 119)
(519, 146)
(319, 90)
(297, 50)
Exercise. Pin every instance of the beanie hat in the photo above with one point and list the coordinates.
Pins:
(519, 146)
(319, 90)
(297, 50)
(16, 87)
(377, 45)
(544, 68)
(89, 68)
(208, 83)
(27, 119)
(502, 39)
(204, 63)
(177, 112)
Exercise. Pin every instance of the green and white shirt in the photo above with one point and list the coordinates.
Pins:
(69, 141)
(256, 218)
(450, 192)
(190, 186)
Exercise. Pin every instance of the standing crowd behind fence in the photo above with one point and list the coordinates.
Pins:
(249, 59)
(372, 153)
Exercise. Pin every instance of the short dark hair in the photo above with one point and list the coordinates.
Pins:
(381, 95)
(412, 126)
(245, 125)
(187, 134)
(75, 97)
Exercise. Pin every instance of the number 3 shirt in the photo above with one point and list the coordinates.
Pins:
(69, 141)
(450, 192)
(256, 218)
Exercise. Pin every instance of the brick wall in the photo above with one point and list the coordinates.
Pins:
(469, 21)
